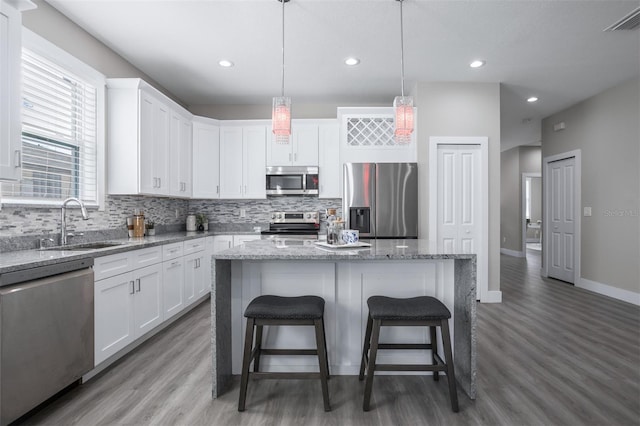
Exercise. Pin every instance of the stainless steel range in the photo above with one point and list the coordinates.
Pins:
(294, 225)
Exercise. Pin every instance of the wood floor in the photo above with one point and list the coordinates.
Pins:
(550, 354)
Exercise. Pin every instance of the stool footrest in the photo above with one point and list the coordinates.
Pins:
(288, 352)
(410, 367)
(284, 375)
(405, 346)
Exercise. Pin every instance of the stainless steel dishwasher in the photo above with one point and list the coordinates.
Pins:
(46, 333)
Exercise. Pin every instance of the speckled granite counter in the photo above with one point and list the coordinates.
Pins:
(25, 259)
(416, 252)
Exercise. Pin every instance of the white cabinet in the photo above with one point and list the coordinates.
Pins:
(302, 149)
(10, 86)
(195, 276)
(221, 242)
(206, 158)
(173, 287)
(242, 161)
(140, 140)
(126, 307)
(330, 167)
(180, 148)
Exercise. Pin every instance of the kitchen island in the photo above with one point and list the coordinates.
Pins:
(345, 278)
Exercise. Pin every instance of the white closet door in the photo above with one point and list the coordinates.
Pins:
(562, 220)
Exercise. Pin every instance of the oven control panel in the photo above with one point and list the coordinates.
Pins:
(295, 217)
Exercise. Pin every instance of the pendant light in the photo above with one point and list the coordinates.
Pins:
(281, 112)
(403, 105)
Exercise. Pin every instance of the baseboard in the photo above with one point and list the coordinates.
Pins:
(492, 296)
(611, 291)
(513, 253)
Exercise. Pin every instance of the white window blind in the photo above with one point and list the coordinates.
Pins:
(59, 134)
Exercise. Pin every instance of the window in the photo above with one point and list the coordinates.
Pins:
(62, 128)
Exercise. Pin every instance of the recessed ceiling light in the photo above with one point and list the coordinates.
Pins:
(225, 64)
(352, 61)
(477, 63)
(532, 99)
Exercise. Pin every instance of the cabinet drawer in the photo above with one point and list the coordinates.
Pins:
(109, 266)
(193, 246)
(171, 251)
(146, 257)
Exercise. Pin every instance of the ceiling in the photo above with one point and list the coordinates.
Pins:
(555, 50)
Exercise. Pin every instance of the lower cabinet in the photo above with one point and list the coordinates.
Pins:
(173, 287)
(137, 291)
(126, 307)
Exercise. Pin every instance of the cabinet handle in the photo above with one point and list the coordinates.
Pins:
(138, 282)
(133, 290)
(289, 156)
(245, 189)
(18, 158)
(295, 157)
(217, 189)
(176, 263)
(159, 183)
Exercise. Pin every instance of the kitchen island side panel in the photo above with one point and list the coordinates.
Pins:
(221, 326)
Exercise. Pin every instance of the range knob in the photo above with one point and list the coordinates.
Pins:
(309, 215)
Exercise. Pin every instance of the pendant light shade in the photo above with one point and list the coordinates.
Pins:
(281, 109)
(403, 105)
(281, 119)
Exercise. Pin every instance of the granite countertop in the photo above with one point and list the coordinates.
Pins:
(26, 259)
(309, 250)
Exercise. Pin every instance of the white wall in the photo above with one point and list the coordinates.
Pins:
(606, 128)
(461, 109)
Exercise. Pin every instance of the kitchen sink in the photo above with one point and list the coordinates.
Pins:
(82, 247)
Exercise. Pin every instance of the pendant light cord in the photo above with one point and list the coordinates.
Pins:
(283, 2)
(401, 50)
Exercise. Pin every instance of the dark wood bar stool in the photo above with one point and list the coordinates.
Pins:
(277, 310)
(417, 311)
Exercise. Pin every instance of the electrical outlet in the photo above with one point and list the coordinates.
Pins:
(243, 212)
(176, 213)
(504, 239)
(587, 211)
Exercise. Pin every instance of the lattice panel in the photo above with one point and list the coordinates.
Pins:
(370, 131)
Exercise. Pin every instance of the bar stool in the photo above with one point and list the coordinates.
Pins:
(277, 310)
(417, 311)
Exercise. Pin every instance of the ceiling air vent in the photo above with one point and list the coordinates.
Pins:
(629, 22)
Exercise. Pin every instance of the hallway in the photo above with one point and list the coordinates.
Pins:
(550, 354)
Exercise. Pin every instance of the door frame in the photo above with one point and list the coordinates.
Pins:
(546, 210)
(523, 221)
(482, 275)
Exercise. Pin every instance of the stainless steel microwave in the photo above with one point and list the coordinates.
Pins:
(292, 180)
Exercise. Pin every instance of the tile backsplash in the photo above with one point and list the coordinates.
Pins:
(21, 227)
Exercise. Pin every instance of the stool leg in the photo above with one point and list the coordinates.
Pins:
(326, 356)
(258, 346)
(451, 377)
(434, 350)
(368, 386)
(246, 360)
(321, 349)
(365, 347)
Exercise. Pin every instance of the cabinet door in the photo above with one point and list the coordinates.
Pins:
(206, 268)
(330, 168)
(173, 287)
(10, 48)
(305, 145)
(278, 154)
(222, 242)
(154, 139)
(148, 298)
(254, 165)
(114, 315)
(241, 239)
(180, 158)
(231, 156)
(206, 161)
(193, 277)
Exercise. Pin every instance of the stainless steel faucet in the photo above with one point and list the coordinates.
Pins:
(63, 220)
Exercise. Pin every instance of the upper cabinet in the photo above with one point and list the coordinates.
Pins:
(243, 160)
(206, 158)
(302, 150)
(330, 168)
(145, 132)
(180, 159)
(10, 85)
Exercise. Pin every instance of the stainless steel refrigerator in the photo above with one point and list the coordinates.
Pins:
(381, 199)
